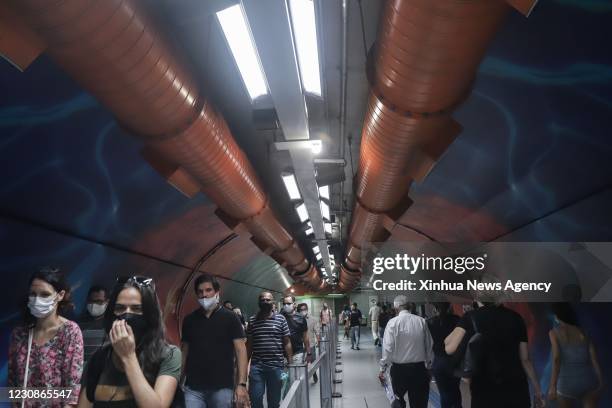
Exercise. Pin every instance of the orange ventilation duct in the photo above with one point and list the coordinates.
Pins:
(115, 52)
(421, 68)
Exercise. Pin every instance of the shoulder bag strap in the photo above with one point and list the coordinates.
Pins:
(27, 366)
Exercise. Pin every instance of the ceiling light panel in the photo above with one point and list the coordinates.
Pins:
(304, 25)
(238, 35)
(324, 192)
(291, 186)
(302, 212)
(325, 210)
(328, 228)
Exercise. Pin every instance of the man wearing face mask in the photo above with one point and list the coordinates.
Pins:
(92, 322)
(211, 337)
(313, 331)
(298, 326)
(268, 340)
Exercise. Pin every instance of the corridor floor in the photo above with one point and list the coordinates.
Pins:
(360, 387)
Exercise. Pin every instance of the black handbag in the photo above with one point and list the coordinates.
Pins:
(474, 349)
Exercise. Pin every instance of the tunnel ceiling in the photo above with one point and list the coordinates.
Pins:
(532, 162)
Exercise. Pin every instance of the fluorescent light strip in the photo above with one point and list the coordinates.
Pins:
(318, 256)
(235, 27)
(309, 231)
(324, 192)
(325, 210)
(291, 186)
(302, 212)
(305, 34)
(316, 249)
(328, 227)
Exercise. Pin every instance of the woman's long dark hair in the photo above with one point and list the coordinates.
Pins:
(565, 313)
(152, 347)
(55, 278)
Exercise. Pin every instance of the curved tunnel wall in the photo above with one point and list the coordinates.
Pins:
(422, 66)
(113, 50)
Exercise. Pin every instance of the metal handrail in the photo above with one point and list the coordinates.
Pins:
(300, 373)
(289, 400)
(315, 365)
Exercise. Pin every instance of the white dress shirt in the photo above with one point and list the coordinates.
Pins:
(374, 313)
(407, 340)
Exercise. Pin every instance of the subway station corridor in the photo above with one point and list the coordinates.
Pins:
(208, 154)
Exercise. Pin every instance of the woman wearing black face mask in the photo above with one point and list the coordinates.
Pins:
(138, 368)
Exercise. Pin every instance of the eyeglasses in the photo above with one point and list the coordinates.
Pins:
(140, 281)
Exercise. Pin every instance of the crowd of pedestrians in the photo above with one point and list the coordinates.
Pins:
(118, 356)
(488, 348)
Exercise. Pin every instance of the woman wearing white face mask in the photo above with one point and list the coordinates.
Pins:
(47, 350)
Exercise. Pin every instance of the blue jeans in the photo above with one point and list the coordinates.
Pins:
(221, 398)
(355, 334)
(265, 379)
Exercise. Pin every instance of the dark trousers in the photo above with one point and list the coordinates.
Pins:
(414, 379)
(448, 387)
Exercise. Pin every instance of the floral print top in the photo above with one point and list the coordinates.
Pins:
(57, 363)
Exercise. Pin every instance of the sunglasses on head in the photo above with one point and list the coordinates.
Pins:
(140, 281)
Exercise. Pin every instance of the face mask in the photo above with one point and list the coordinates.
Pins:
(265, 307)
(41, 306)
(137, 322)
(209, 303)
(288, 308)
(95, 309)
(305, 313)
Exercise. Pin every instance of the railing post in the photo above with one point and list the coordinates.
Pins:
(325, 373)
(299, 372)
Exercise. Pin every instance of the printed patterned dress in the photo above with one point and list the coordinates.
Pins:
(57, 363)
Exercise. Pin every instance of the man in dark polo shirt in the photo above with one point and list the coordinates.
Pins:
(300, 343)
(212, 335)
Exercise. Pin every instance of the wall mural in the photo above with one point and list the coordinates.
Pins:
(533, 163)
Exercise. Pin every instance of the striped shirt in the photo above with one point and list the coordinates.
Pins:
(266, 339)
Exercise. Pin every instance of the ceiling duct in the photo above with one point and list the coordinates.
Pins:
(113, 50)
(421, 68)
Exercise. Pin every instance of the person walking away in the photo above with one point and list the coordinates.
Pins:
(502, 381)
(212, 337)
(440, 327)
(383, 319)
(576, 374)
(346, 320)
(374, 315)
(268, 338)
(408, 349)
(46, 349)
(355, 326)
